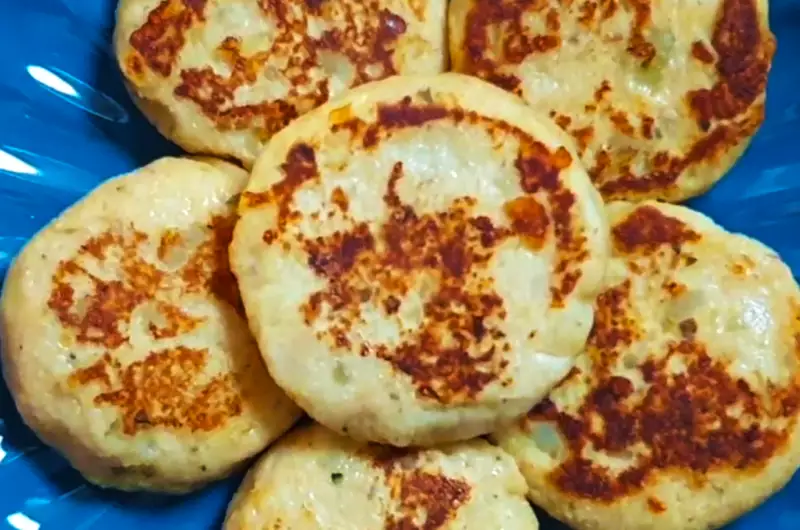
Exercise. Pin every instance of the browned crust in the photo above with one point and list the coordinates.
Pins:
(421, 499)
(163, 389)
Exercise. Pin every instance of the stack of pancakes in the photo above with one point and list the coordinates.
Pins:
(473, 284)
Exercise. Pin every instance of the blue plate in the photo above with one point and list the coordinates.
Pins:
(66, 124)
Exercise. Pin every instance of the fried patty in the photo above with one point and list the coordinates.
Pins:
(682, 414)
(315, 479)
(419, 259)
(660, 97)
(125, 345)
(222, 76)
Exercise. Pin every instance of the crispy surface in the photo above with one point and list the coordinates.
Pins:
(661, 97)
(315, 479)
(222, 77)
(405, 231)
(125, 343)
(683, 411)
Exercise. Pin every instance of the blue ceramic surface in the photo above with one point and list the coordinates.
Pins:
(66, 124)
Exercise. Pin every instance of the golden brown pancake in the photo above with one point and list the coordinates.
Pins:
(315, 479)
(661, 98)
(223, 76)
(683, 412)
(418, 259)
(124, 341)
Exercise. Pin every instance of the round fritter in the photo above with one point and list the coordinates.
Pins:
(316, 479)
(125, 346)
(419, 259)
(661, 97)
(683, 412)
(223, 76)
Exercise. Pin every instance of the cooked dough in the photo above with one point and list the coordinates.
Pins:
(662, 97)
(223, 76)
(316, 479)
(419, 259)
(125, 346)
(683, 412)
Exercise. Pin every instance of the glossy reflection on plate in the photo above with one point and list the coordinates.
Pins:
(66, 124)
(78, 93)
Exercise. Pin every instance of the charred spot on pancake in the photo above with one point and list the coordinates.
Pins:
(269, 236)
(391, 305)
(300, 167)
(163, 35)
(583, 136)
(648, 127)
(175, 322)
(163, 391)
(496, 35)
(426, 501)
(602, 91)
(620, 121)
(744, 55)
(339, 198)
(614, 327)
(406, 114)
(518, 46)
(701, 52)
(587, 11)
(590, 12)
(655, 505)
(539, 168)
(334, 256)
(741, 268)
(392, 117)
(672, 288)
(508, 82)
(97, 372)
(647, 229)
(363, 33)
(170, 239)
(420, 499)
(134, 67)
(314, 6)
(562, 120)
(638, 46)
(529, 219)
